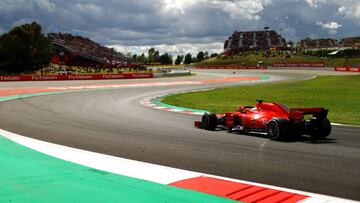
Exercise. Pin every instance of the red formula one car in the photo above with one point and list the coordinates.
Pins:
(274, 119)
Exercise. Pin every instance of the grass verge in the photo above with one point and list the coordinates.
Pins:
(340, 94)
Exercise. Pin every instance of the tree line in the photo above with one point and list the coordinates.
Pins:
(154, 57)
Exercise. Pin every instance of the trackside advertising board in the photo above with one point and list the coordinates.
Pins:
(347, 69)
(232, 67)
(299, 64)
(7, 78)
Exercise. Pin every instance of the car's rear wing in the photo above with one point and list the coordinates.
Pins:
(297, 113)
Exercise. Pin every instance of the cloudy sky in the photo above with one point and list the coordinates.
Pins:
(181, 26)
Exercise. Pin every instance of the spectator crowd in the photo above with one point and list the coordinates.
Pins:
(349, 42)
(254, 40)
(77, 45)
(269, 39)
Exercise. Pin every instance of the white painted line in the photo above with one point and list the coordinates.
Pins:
(313, 200)
(175, 110)
(159, 107)
(345, 125)
(196, 113)
(154, 173)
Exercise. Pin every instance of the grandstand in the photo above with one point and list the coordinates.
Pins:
(80, 51)
(254, 40)
(350, 42)
(318, 43)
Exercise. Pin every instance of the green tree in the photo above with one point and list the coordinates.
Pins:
(156, 56)
(151, 57)
(200, 56)
(179, 59)
(187, 59)
(142, 58)
(24, 48)
(206, 55)
(165, 59)
(194, 59)
(135, 57)
(213, 55)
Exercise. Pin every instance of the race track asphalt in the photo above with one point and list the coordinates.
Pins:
(114, 122)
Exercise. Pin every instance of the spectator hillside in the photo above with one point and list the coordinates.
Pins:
(353, 42)
(254, 40)
(77, 50)
(350, 42)
(318, 43)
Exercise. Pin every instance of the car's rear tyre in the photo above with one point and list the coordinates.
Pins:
(322, 129)
(209, 121)
(277, 129)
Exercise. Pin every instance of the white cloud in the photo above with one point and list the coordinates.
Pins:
(314, 3)
(176, 7)
(350, 11)
(46, 5)
(332, 27)
(329, 25)
(242, 9)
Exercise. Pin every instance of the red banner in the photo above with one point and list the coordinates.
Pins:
(232, 67)
(299, 64)
(4, 78)
(347, 69)
(354, 69)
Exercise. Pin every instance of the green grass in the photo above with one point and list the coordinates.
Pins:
(252, 59)
(340, 94)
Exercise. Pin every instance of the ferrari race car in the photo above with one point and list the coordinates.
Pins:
(274, 119)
